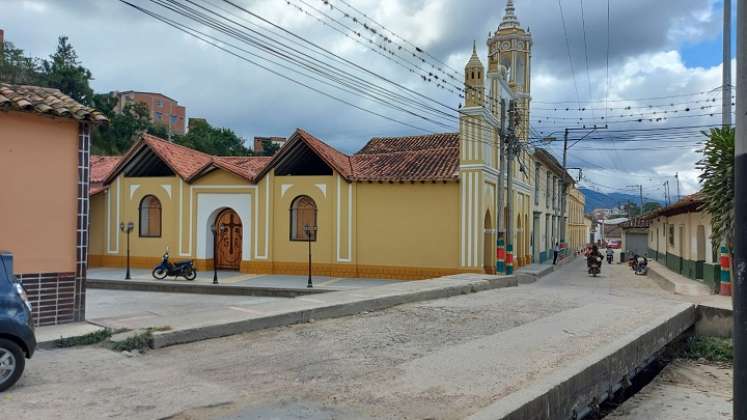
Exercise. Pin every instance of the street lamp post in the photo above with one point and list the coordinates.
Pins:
(127, 228)
(310, 233)
(213, 229)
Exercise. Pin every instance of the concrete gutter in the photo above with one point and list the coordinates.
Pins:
(202, 288)
(572, 390)
(323, 306)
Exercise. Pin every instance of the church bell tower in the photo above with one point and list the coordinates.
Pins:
(511, 47)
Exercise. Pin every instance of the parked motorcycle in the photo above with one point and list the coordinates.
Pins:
(595, 266)
(179, 269)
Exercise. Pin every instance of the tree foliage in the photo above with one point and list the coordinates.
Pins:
(64, 71)
(17, 68)
(215, 141)
(123, 129)
(650, 206)
(717, 179)
(269, 148)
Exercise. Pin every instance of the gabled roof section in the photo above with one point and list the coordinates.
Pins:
(183, 161)
(46, 101)
(335, 159)
(101, 167)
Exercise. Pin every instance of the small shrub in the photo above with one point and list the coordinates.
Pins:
(712, 349)
(138, 342)
(84, 340)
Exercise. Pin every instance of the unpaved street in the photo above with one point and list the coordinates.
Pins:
(440, 359)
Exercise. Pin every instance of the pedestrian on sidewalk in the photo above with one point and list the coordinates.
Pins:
(555, 252)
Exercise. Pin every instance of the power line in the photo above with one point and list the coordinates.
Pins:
(568, 48)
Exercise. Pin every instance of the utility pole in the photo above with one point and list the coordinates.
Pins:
(500, 266)
(739, 287)
(640, 190)
(563, 187)
(510, 144)
(666, 193)
(677, 178)
(726, 89)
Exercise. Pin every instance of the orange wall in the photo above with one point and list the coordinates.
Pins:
(38, 191)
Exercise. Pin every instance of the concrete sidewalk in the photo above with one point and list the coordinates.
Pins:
(677, 283)
(224, 322)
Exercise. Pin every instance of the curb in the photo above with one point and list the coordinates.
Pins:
(345, 303)
(532, 277)
(575, 390)
(203, 289)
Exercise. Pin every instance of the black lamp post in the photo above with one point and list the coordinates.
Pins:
(127, 228)
(215, 250)
(310, 233)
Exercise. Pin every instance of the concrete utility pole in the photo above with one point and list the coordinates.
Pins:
(677, 178)
(563, 186)
(726, 89)
(510, 144)
(499, 228)
(739, 287)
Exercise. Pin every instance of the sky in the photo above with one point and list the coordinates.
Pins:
(657, 49)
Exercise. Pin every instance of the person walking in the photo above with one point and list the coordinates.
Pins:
(555, 252)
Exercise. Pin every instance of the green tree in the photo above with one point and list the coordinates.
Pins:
(64, 72)
(215, 141)
(269, 148)
(717, 179)
(123, 129)
(17, 68)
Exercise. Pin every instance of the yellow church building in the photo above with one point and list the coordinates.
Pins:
(409, 207)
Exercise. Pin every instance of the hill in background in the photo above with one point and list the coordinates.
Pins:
(600, 200)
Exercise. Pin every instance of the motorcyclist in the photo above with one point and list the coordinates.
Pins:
(593, 254)
(610, 255)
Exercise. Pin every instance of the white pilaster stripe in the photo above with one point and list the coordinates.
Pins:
(463, 216)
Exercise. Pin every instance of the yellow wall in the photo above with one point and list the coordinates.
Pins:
(427, 212)
(39, 173)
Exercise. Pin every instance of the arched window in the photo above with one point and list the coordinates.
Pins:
(150, 217)
(302, 213)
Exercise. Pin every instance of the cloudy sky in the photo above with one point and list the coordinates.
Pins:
(663, 55)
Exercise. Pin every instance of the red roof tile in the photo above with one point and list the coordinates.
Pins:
(102, 166)
(247, 167)
(46, 101)
(333, 157)
(184, 161)
(690, 203)
(410, 143)
(409, 159)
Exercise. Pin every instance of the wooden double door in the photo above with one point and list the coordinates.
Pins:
(228, 231)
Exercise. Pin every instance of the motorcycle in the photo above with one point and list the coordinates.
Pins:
(641, 268)
(609, 258)
(595, 266)
(180, 269)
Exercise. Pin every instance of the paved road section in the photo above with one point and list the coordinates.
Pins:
(441, 359)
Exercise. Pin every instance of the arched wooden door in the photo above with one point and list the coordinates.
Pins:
(229, 241)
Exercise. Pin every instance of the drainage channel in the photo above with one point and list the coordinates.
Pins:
(629, 387)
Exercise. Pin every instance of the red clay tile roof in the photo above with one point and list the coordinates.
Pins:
(410, 143)
(690, 203)
(46, 101)
(411, 158)
(337, 160)
(247, 167)
(102, 166)
(184, 161)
